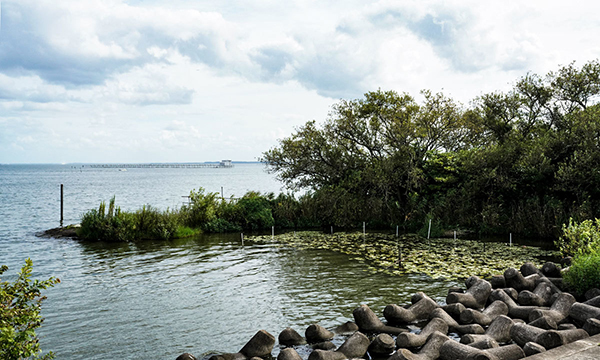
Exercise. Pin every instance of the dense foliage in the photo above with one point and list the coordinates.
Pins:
(582, 241)
(20, 305)
(522, 161)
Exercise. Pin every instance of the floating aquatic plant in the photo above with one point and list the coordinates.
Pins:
(437, 258)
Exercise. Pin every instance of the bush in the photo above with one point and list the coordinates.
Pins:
(255, 211)
(584, 273)
(201, 210)
(150, 223)
(111, 225)
(220, 225)
(579, 238)
(20, 306)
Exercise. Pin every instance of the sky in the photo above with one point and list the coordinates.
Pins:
(105, 81)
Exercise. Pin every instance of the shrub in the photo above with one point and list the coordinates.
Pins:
(255, 211)
(20, 306)
(584, 272)
(579, 238)
(220, 225)
(111, 225)
(150, 223)
(201, 210)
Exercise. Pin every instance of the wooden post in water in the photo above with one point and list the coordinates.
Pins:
(61, 204)
(331, 229)
(396, 230)
(510, 240)
(273, 232)
(242, 234)
(364, 229)
(222, 193)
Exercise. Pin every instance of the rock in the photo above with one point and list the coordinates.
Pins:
(382, 345)
(288, 354)
(186, 356)
(355, 346)
(315, 333)
(260, 345)
(290, 337)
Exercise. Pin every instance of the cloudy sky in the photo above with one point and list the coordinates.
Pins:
(196, 80)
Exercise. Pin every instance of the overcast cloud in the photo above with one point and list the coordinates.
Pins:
(146, 81)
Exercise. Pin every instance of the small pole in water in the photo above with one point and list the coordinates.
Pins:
(222, 193)
(396, 230)
(510, 240)
(429, 230)
(454, 238)
(61, 205)
(242, 234)
(272, 232)
(331, 229)
(364, 228)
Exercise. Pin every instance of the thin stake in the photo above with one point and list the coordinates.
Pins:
(429, 230)
(331, 229)
(61, 205)
(272, 232)
(242, 234)
(396, 230)
(510, 240)
(364, 228)
(222, 193)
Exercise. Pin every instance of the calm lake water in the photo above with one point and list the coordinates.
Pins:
(156, 300)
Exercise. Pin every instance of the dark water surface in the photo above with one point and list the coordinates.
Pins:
(155, 300)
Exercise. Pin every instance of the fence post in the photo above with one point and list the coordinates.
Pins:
(61, 204)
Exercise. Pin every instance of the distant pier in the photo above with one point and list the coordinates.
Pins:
(222, 164)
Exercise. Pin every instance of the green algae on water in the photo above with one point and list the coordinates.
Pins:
(438, 258)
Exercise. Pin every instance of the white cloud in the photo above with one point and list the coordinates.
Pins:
(204, 80)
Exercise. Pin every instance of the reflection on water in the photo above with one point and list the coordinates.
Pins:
(157, 300)
(206, 293)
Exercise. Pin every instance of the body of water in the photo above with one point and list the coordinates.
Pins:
(156, 300)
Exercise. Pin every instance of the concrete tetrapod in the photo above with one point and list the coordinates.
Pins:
(288, 354)
(260, 345)
(485, 317)
(429, 351)
(514, 310)
(506, 352)
(419, 310)
(411, 340)
(559, 309)
(540, 296)
(453, 350)
(523, 333)
(550, 269)
(478, 291)
(595, 301)
(382, 345)
(532, 348)
(367, 321)
(290, 337)
(516, 280)
(592, 326)
(355, 346)
(454, 326)
(315, 333)
(529, 268)
(554, 338)
(581, 312)
(499, 330)
(454, 310)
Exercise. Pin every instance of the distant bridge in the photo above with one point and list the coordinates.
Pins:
(222, 164)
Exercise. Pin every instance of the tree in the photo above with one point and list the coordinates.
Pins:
(20, 306)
